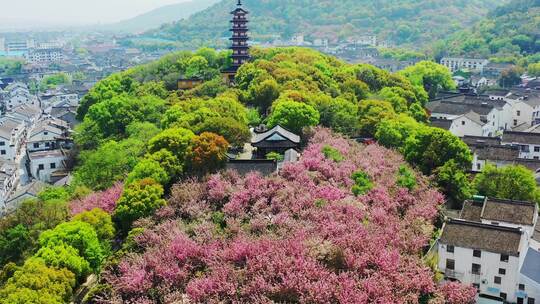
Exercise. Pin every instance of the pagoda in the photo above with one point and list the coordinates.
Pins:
(239, 40)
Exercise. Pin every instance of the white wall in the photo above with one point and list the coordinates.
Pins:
(490, 264)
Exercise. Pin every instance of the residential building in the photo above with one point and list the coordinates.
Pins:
(8, 179)
(45, 55)
(12, 136)
(493, 245)
(527, 143)
(48, 135)
(456, 64)
(44, 163)
(26, 192)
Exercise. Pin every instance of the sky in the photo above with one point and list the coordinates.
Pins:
(39, 13)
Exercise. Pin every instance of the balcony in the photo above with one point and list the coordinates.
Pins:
(452, 274)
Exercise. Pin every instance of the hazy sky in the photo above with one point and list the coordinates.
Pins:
(33, 13)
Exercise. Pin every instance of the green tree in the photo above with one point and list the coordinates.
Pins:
(431, 76)
(175, 140)
(101, 222)
(263, 94)
(454, 182)
(430, 148)
(235, 132)
(140, 199)
(148, 168)
(510, 77)
(64, 256)
(511, 182)
(79, 235)
(13, 242)
(293, 115)
(371, 113)
(168, 162)
(392, 133)
(111, 162)
(35, 283)
(534, 69)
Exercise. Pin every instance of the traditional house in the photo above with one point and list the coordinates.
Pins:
(527, 143)
(26, 192)
(44, 163)
(493, 246)
(277, 139)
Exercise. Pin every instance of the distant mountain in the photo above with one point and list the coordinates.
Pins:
(403, 22)
(162, 15)
(510, 30)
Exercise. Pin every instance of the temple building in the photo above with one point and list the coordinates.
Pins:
(239, 40)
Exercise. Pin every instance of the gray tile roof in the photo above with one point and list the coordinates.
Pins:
(275, 131)
(495, 153)
(441, 123)
(458, 108)
(496, 239)
(521, 137)
(243, 167)
(481, 140)
(531, 265)
(472, 211)
(515, 212)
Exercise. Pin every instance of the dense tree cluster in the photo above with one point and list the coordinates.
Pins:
(300, 236)
(402, 22)
(140, 136)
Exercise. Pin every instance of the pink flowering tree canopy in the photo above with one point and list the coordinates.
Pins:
(300, 236)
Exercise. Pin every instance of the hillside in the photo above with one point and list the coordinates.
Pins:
(400, 21)
(161, 15)
(508, 32)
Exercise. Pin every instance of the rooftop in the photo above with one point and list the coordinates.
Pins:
(441, 123)
(531, 265)
(481, 140)
(46, 154)
(515, 212)
(495, 153)
(496, 239)
(277, 133)
(521, 137)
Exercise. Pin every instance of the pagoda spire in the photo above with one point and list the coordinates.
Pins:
(239, 39)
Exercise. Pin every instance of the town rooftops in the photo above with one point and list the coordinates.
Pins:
(521, 138)
(499, 210)
(262, 166)
(30, 190)
(510, 211)
(531, 265)
(474, 235)
(277, 133)
(481, 140)
(458, 108)
(495, 153)
(46, 154)
(441, 123)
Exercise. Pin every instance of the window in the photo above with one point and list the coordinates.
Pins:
(504, 257)
(536, 149)
(478, 166)
(41, 167)
(477, 253)
(47, 144)
(462, 122)
(497, 280)
(450, 248)
(476, 285)
(36, 145)
(530, 301)
(521, 286)
(503, 296)
(502, 271)
(450, 264)
(475, 269)
(45, 133)
(3, 152)
(520, 301)
(518, 113)
(53, 165)
(2, 143)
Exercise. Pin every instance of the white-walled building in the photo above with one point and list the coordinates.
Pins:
(12, 136)
(494, 246)
(45, 55)
(527, 143)
(44, 163)
(455, 64)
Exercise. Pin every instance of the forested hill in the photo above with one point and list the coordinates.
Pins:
(509, 31)
(400, 21)
(165, 14)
